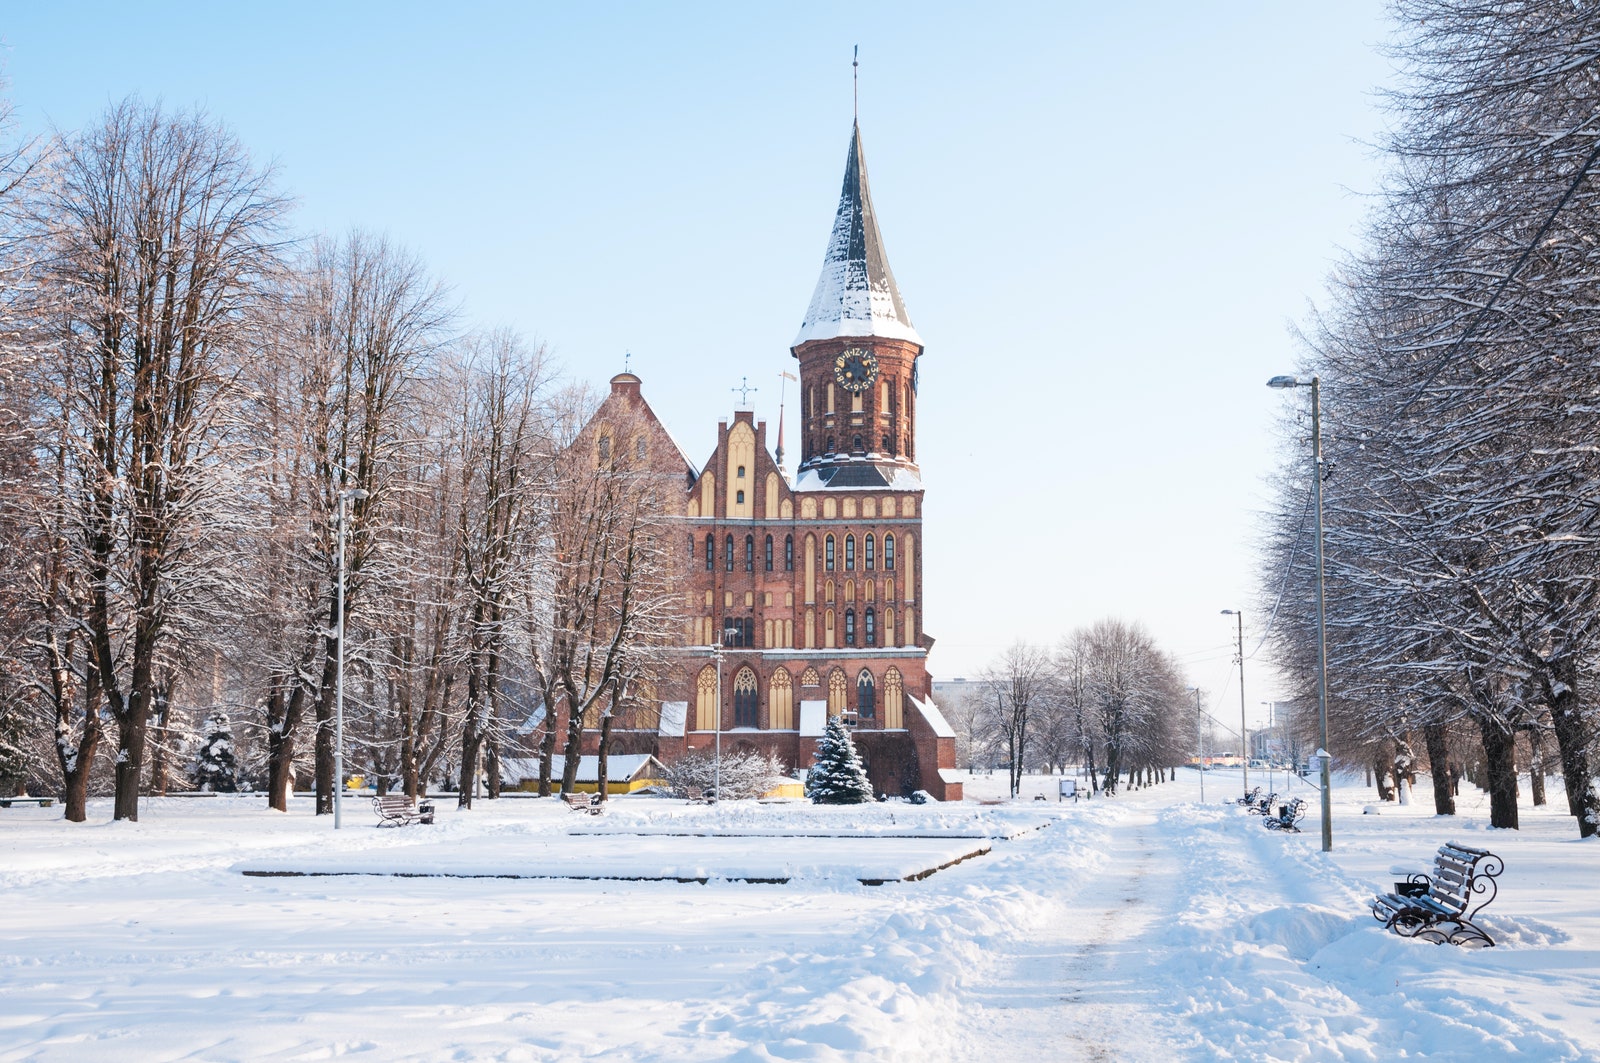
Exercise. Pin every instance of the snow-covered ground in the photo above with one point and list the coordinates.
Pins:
(1148, 926)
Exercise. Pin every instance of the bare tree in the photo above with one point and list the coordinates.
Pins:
(364, 324)
(158, 239)
(1016, 685)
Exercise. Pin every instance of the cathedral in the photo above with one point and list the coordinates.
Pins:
(804, 597)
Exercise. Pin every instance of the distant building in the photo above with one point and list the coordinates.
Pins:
(812, 588)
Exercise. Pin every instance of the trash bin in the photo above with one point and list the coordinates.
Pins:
(425, 812)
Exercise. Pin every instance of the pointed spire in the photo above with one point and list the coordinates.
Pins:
(856, 294)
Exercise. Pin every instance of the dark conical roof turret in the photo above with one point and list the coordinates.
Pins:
(856, 294)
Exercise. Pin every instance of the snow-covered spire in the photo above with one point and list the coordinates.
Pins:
(856, 294)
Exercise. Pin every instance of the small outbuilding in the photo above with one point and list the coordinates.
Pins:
(625, 773)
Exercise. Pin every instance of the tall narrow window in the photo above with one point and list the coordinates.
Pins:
(866, 699)
(728, 552)
(888, 552)
(769, 553)
(691, 548)
(827, 553)
(738, 498)
(868, 554)
(849, 627)
(746, 707)
(605, 448)
(849, 551)
(749, 553)
(711, 553)
(788, 553)
(871, 621)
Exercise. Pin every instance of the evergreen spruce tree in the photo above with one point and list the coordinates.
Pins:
(216, 770)
(837, 776)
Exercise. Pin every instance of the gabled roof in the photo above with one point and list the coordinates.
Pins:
(856, 294)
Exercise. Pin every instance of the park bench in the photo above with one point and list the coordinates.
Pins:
(1287, 817)
(589, 803)
(1263, 806)
(697, 795)
(398, 810)
(42, 802)
(1251, 798)
(1436, 907)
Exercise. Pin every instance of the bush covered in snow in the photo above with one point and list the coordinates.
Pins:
(838, 776)
(745, 773)
(215, 769)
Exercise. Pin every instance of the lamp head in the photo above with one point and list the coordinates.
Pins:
(1284, 382)
(1227, 612)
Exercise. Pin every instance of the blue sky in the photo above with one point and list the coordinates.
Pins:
(1103, 219)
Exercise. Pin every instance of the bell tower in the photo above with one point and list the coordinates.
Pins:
(858, 354)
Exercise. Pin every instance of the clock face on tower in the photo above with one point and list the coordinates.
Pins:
(855, 369)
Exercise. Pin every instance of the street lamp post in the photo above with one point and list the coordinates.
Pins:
(1200, 744)
(338, 697)
(1244, 731)
(716, 652)
(1315, 384)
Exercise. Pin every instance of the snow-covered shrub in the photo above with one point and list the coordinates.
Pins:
(215, 769)
(745, 773)
(837, 776)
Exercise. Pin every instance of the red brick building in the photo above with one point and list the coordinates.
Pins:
(810, 591)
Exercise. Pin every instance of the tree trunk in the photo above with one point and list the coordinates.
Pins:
(1444, 802)
(130, 764)
(1536, 766)
(283, 715)
(1500, 763)
(547, 747)
(491, 768)
(1380, 773)
(1573, 738)
(161, 720)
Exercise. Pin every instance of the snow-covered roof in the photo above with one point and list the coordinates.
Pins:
(856, 294)
(930, 712)
(858, 476)
(619, 768)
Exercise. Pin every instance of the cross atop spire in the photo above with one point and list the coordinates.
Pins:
(856, 294)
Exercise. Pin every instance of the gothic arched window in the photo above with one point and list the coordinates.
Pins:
(769, 553)
(866, 701)
(711, 553)
(868, 554)
(746, 700)
(849, 551)
(827, 553)
(888, 552)
(788, 553)
(849, 627)
(729, 552)
(749, 553)
(871, 621)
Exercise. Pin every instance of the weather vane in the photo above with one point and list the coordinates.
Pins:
(744, 389)
(627, 357)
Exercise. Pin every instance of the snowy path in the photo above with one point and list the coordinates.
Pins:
(1086, 984)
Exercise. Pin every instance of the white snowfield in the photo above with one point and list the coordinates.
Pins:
(1143, 927)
